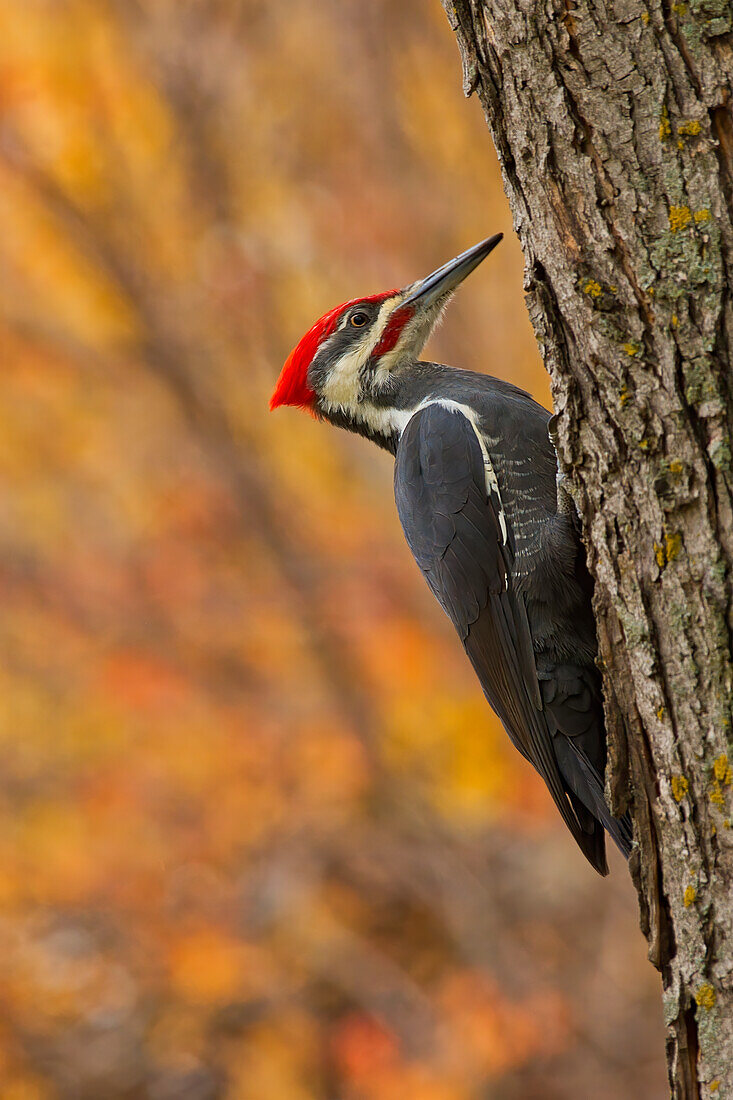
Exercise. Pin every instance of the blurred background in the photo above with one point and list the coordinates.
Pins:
(260, 836)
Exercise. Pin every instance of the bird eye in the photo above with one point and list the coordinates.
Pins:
(358, 320)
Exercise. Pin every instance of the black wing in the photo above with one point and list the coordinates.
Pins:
(449, 506)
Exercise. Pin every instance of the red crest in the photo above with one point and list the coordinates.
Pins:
(292, 386)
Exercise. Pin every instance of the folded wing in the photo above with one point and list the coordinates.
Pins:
(451, 512)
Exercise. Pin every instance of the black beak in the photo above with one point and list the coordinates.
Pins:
(446, 278)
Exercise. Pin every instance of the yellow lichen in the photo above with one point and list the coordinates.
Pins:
(644, 445)
(716, 795)
(592, 288)
(674, 322)
(714, 1085)
(675, 466)
(661, 713)
(690, 895)
(679, 217)
(726, 823)
(623, 394)
(679, 9)
(722, 777)
(680, 787)
(632, 348)
(701, 216)
(661, 562)
(672, 545)
(680, 143)
(690, 128)
(664, 127)
(705, 996)
(645, 17)
(722, 770)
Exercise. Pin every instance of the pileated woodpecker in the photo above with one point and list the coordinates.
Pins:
(487, 520)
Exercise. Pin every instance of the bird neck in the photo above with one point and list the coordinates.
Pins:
(384, 406)
(382, 414)
(382, 425)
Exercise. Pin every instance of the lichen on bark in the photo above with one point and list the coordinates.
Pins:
(613, 125)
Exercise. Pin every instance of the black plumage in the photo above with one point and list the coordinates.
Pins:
(449, 497)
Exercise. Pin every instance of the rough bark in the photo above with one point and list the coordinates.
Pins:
(613, 124)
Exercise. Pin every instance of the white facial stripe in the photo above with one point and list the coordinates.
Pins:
(341, 388)
(342, 391)
(412, 338)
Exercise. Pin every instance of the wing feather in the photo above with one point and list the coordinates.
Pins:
(453, 521)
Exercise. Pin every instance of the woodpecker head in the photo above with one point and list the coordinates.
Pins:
(348, 366)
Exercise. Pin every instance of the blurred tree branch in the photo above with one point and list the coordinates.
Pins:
(167, 354)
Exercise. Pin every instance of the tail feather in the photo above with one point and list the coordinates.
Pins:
(592, 839)
(572, 701)
(584, 781)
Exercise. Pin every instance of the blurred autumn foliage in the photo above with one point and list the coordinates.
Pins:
(260, 836)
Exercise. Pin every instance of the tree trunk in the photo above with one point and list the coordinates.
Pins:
(612, 121)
